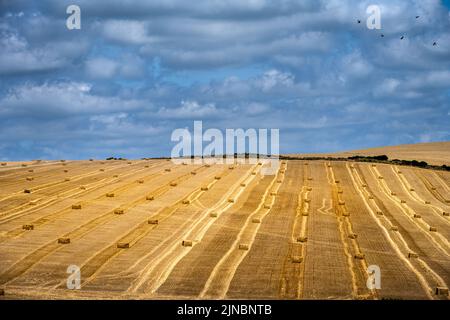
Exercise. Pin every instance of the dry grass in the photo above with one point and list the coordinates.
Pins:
(308, 232)
(435, 153)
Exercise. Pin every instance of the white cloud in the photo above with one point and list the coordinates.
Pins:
(129, 66)
(288, 64)
(126, 31)
(16, 56)
(433, 79)
(275, 78)
(109, 119)
(190, 110)
(387, 87)
(25, 48)
(101, 68)
(132, 66)
(255, 108)
(67, 98)
(355, 65)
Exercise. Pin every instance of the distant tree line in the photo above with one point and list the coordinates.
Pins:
(413, 163)
(114, 158)
(379, 158)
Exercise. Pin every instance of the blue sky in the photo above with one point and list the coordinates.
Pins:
(137, 70)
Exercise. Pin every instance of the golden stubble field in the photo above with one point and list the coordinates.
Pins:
(150, 229)
(435, 153)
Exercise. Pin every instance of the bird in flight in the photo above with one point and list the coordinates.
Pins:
(403, 36)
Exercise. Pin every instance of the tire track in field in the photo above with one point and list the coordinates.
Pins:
(359, 184)
(19, 170)
(339, 212)
(236, 190)
(423, 264)
(296, 248)
(22, 172)
(19, 231)
(327, 274)
(232, 259)
(432, 188)
(303, 211)
(406, 210)
(326, 208)
(194, 197)
(57, 183)
(416, 198)
(38, 204)
(349, 232)
(21, 266)
(442, 181)
(151, 280)
(161, 215)
(74, 192)
(186, 281)
(95, 264)
(196, 202)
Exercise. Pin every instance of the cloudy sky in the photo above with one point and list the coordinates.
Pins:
(137, 70)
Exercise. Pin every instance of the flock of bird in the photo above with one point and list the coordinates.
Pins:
(402, 37)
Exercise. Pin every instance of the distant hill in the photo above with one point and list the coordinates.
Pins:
(435, 153)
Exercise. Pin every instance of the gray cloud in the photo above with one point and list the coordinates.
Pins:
(139, 69)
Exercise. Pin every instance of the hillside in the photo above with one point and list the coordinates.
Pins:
(150, 229)
(434, 153)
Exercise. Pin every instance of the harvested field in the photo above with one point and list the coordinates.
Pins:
(436, 153)
(150, 229)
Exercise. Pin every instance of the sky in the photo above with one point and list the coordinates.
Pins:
(137, 70)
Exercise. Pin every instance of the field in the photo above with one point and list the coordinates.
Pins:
(434, 153)
(150, 229)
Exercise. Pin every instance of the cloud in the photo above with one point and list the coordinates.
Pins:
(60, 100)
(189, 110)
(255, 108)
(127, 66)
(101, 68)
(274, 78)
(125, 31)
(139, 69)
(388, 87)
(17, 57)
(354, 65)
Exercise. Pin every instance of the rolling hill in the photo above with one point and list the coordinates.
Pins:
(435, 153)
